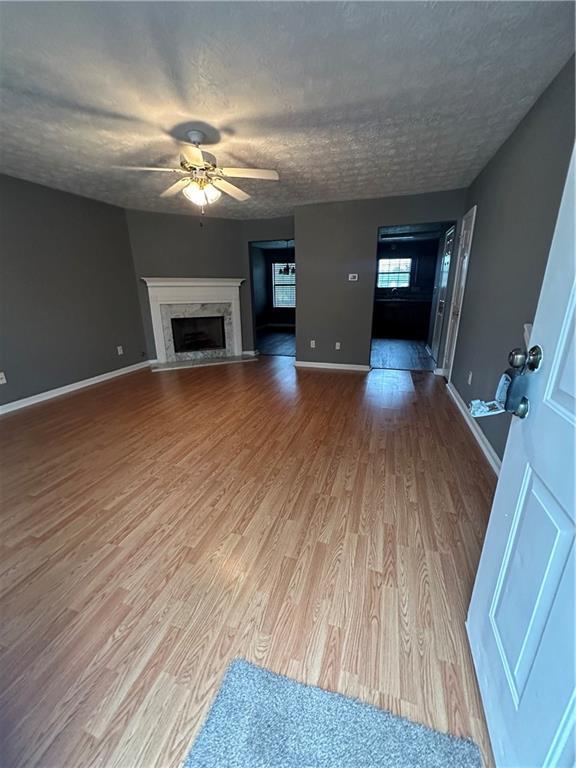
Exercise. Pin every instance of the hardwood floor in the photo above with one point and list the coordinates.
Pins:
(276, 342)
(401, 354)
(325, 525)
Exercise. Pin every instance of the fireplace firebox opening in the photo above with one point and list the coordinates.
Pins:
(191, 334)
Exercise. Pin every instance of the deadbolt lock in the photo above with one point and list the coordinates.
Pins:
(519, 358)
(534, 358)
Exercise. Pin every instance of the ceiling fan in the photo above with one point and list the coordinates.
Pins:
(202, 180)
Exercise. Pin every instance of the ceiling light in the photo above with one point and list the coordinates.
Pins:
(195, 193)
(201, 192)
(212, 194)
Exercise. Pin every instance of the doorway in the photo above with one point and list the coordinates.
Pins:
(273, 271)
(413, 264)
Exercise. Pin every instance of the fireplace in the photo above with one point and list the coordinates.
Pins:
(195, 319)
(192, 334)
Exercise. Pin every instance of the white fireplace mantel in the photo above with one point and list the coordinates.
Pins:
(195, 282)
(193, 290)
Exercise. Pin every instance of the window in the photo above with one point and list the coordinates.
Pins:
(283, 285)
(394, 273)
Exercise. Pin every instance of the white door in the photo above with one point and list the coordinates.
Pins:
(522, 615)
(441, 291)
(464, 248)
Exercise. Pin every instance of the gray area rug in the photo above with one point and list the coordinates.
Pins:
(263, 720)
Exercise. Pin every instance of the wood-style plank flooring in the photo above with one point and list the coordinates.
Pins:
(401, 354)
(325, 525)
(276, 341)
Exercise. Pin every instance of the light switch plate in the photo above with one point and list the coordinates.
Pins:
(2, 377)
(120, 349)
(352, 277)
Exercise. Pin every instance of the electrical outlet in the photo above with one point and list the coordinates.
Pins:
(353, 277)
(2, 377)
(313, 343)
(120, 350)
(337, 345)
(469, 378)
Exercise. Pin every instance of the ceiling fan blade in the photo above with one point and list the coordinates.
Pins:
(230, 189)
(193, 155)
(251, 173)
(146, 168)
(173, 189)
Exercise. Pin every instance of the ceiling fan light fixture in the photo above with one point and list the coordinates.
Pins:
(212, 194)
(195, 193)
(201, 193)
(205, 181)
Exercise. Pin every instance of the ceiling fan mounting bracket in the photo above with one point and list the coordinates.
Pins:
(196, 137)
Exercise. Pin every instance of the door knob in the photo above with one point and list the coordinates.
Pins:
(517, 358)
(522, 408)
(510, 395)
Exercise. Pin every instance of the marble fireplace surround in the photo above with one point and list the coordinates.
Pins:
(194, 297)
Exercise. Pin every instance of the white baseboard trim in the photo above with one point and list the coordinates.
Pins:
(440, 372)
(252, 352)
(331, 366)
(489, 452)
(51, 393)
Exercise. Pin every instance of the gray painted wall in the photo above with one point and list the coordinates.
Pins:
(268, 229)
(167, 245)
(335, 239)
(517, 194)
(67, 290)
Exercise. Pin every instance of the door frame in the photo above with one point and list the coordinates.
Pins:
(259, 244)
(439, 317)
(457, 296)
(444, 223)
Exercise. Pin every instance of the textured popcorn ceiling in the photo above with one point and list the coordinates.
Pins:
(346, 100)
